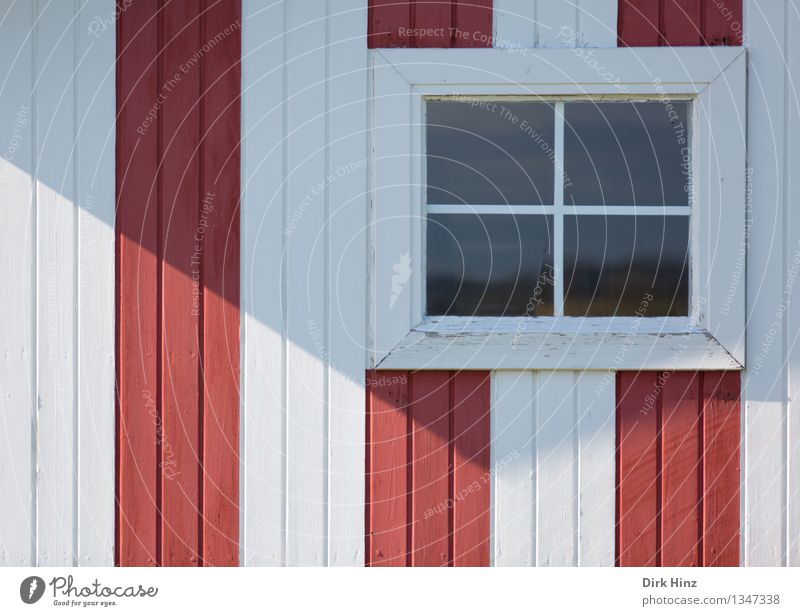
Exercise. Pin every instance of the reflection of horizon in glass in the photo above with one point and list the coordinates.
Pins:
(510, 143)
(490, 265)
(626, 265)
(622, 153)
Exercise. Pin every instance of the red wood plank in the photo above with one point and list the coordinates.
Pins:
(471, 484)
(138, 406)
(431, 464)
(638, 23)
(387, 469)
(473, 22)
(638, 469)
(219, 210)
(389, 23)
(682, 472)
(179, 218)
(721, 417)
(723, 22)
(682, 22)
(432, 23)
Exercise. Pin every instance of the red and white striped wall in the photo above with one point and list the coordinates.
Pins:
(187, 314)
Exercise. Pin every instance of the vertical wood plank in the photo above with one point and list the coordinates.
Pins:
(471, 476)
(513, 453)
(94, 143)
(263, 259)
(347, 315)
(721, 402)
(388, 470)
(765, 380)
(389, 23)
(56, 291)
(638, 469)
(18, 406)
(556, 470)
(180, 318)
(596, 408)
(638, 23)
(138, 407)
(682, 489)
(682, 22)
(431, 493)
(473, 23)
(219, 246)
(307, 401)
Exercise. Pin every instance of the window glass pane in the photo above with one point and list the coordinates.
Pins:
(623, 153)
(626, 265)
(489, 265)
(487, 152)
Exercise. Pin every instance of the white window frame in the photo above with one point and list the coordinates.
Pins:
(712, 337)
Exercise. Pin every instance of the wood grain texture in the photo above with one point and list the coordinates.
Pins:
(427, 492)
(430, 23)
(177, 282)
(649, 23)
(678, 469)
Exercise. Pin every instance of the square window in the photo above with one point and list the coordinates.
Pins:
(557, 208)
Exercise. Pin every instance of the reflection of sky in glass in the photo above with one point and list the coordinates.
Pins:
(489, 265)
(622, 153)
(614, 264)
(504, 152)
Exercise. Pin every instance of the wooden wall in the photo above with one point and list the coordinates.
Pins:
(678, 469)
(56, 284)
(428, 475)
(177, 259)
(650, 23)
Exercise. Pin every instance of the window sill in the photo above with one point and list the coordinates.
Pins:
(547, 343)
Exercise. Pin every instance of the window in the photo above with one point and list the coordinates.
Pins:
(557, 208)
(487, 253)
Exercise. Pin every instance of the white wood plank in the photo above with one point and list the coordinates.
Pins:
(263, 467)
(793, 309)
(94, 155)
(395, 273)
(556, 23)
(515, 23)
(595, 417)
(56, 292)
(17, 310)
(307, 400)
(556, 470)
(347, 273)
(597, 23)
(561, 351)
(513, 454)
(764, 468)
